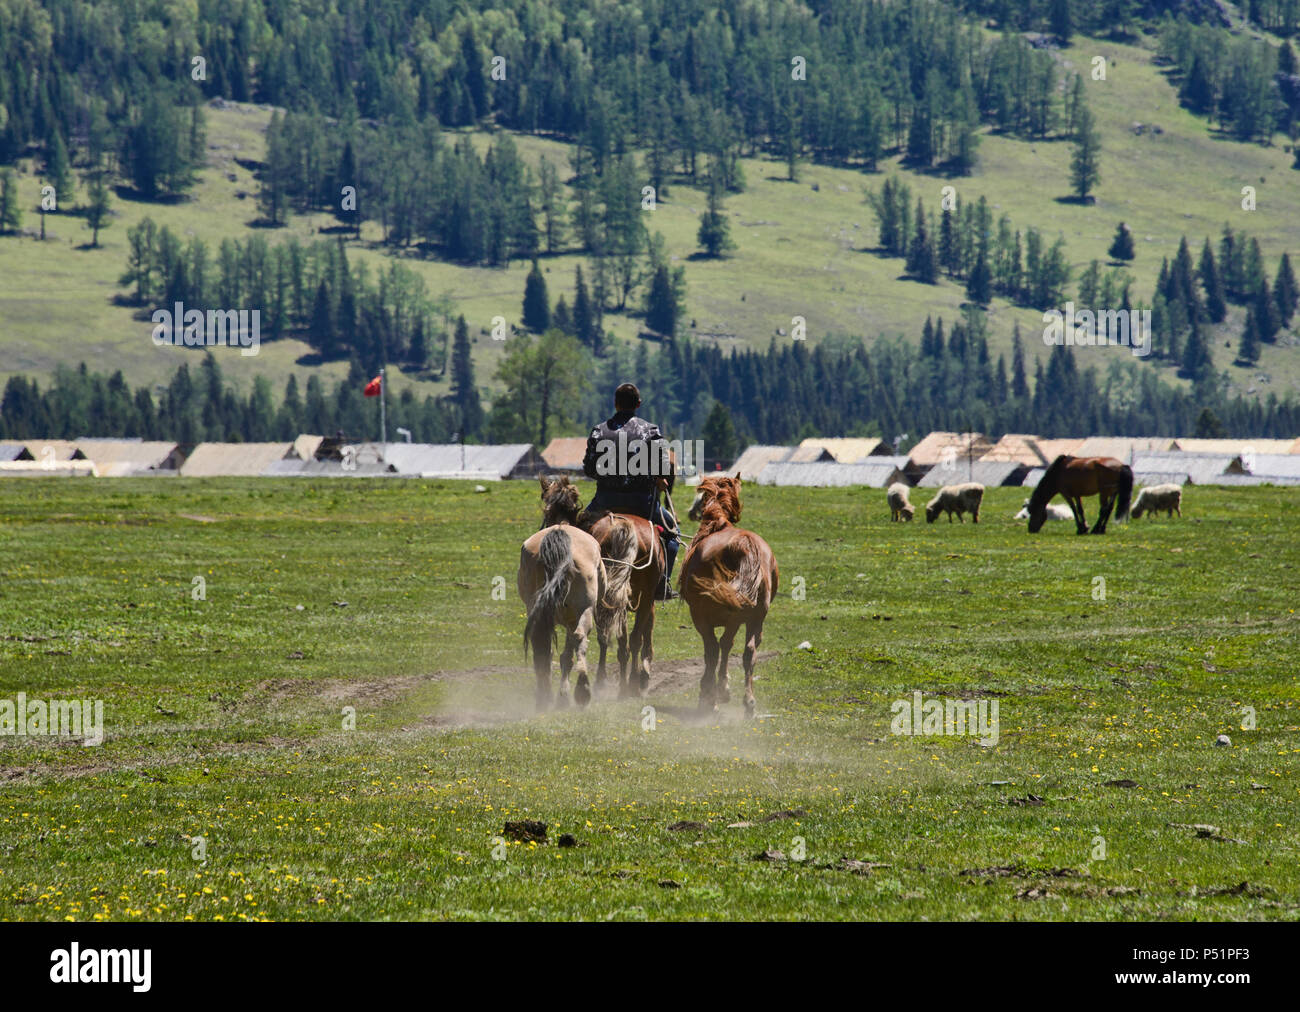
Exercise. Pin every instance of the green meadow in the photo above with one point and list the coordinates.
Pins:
(235, 631)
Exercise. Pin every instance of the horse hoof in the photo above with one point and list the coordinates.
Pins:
(582, 695)
(750, 707)
(724, 695)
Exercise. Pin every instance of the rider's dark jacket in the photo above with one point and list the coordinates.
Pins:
(625, 474)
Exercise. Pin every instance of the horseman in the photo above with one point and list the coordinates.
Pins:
(629, 459)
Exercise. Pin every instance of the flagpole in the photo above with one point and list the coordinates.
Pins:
(383, 413)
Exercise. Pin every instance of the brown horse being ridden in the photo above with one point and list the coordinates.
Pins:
(1076, 477)
(561, 579)
(728, 579)
(634, 563)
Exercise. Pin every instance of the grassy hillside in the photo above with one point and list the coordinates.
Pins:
(803, 248)
(224, 717)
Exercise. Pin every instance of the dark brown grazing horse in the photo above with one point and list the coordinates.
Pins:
(728, 579)
(635, 565)
(1076, 477)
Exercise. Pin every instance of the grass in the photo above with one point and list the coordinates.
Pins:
(225, 716)
(800, 250)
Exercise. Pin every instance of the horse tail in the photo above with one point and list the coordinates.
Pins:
(555, 555)
(620, 549)
(743, 587)
(1125, 493)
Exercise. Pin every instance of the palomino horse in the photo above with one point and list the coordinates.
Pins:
(561, 579)
(634, 560)
(728, 579)
(1075, 477)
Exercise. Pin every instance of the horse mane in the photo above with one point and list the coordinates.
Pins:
(1048, 484)
(560, 503)
(720, 511)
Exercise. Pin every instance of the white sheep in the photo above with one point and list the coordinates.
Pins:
(1055, 511)
(1153, 498)
(959, 499)
(899, 507)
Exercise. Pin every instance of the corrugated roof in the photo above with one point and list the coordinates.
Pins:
(116, 458)
(750, 464)
(1018, 447)
(211, 460)
(1053, 448)
(565, 453)
(989, 473)
(811, 455)
(875, 472)
(1122, 448)
(931, 450)
(445, 459)
(13, 451)
(1201, 468)
(1274, 465)
(306, 445)
(1034, 476)
(1236, 447)
(850, 450)
(53, 449)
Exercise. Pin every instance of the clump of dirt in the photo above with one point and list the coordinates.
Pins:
(526, 831)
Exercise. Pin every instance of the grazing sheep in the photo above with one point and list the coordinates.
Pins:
(899, 507)
(959, 499)
(1154, 498)
(1055, 511)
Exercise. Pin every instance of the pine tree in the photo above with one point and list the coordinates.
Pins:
(1085, 173)
(661, 304)
(1267, 318)
(921, 261)
(979, 288)
(1121, 247)
(98, 204)
(584, 321)
(1284, 291)
(714, 235)
(1249, 347)
(11, 213)
(721, 443)
(1019, 381)
(464, 392)
(1215, 305)
(1197, 361)
(949, 247)
(1062, 21)
(537, 306)
(346, 176)
(321, 333)
(58, 170)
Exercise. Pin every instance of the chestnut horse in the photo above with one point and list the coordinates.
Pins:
(1075, 477)
(561, 579)
(634, 561)
(729, 578)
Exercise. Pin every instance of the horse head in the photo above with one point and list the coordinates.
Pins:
(560, 502)
(720, 496)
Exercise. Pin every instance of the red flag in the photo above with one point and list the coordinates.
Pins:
(374, 387)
